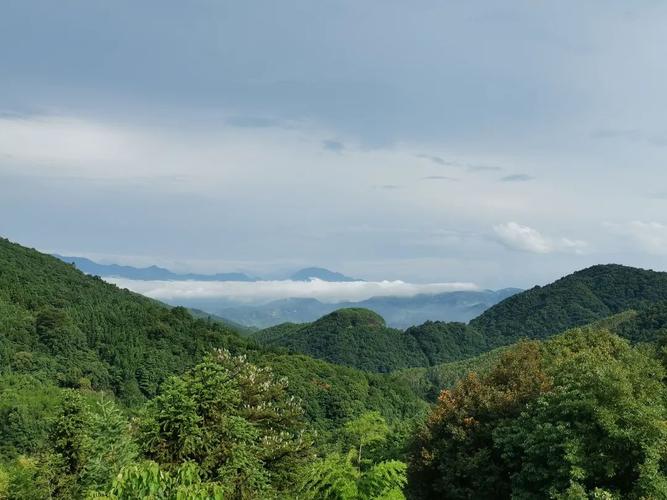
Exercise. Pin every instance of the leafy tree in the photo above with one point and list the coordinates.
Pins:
(149, 480)
(109, 446)
(69, 436)
(369, 428)
(235, 421)
(600, 428)
(343, 477)
(582, 416)
(454, 454)
(26, 478)
(336, 477)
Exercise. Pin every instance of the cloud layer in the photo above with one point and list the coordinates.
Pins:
(259, 291)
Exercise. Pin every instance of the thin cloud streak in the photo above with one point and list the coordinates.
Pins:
(324, 291)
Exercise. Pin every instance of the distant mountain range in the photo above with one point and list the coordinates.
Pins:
(398, 312)
(161, 274)
(146, 273)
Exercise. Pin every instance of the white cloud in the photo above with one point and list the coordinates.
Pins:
(526, 239)
(649, 237)
(258, 291)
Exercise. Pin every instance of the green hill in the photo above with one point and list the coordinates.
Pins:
(69, 343)
(578, 299)
(359, 338)
(60, 324)
(61, 327)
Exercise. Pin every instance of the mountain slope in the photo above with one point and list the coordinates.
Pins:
(59, 323)
(59, 326)
(359, 338)
(577, 299)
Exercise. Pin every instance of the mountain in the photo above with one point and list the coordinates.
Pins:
(232, 325)
(321, 274)
(360, 338)
(161, 274)
(293, 310)
(577, 299)
(146, 273)
(63, 325)
(61, 328)
(398, 312)
(631, 302)
(79, 358)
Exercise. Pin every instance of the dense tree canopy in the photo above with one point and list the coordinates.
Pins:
(359, 338)
(575, 300)
(107, 394)
(580, 415)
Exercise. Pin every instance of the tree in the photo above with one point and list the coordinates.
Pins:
(149, 480)
(600, 429)
(338, 477)
(369, 428)
(580, 416)
(233, 420)
(454, 454)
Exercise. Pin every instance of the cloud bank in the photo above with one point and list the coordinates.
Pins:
(650, 237)
(262, 291)
(526, 239)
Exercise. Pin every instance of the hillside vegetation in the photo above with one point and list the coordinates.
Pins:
(63, 327)
(107, 394)
(359, 338)
(59, 324)
(577, 299)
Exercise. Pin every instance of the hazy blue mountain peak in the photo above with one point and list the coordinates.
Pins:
(320, 273)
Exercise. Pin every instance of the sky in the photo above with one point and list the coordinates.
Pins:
(495, 143)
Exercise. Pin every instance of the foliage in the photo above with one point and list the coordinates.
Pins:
(104, 394)
(359, 338)
(581, 415)
(349, 477)
(333, 394)
(88, 444)
(428, 382)
(61, 325)
(235, 421)
(455, 454)
(367, 429)
(148, 480)
(575, 300)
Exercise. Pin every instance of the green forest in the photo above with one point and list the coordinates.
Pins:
(557, 392)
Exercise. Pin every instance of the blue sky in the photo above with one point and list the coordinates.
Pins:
(500, 143)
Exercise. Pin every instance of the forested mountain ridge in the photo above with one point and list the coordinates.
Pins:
(73, 330)
(61, 324)
(200, 412)
(577, 299)
(359, 338)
